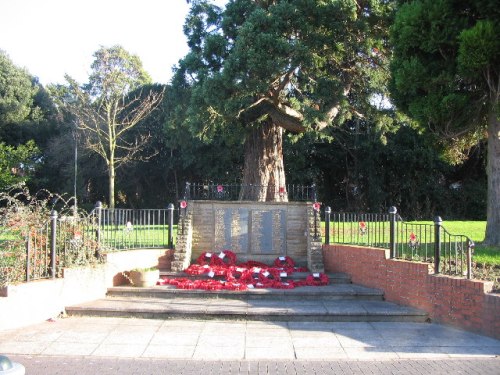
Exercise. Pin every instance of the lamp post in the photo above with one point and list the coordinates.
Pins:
(75, 207)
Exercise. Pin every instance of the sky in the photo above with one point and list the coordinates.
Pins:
(51, 38)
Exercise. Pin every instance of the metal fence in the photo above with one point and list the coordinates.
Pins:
(121, 228)
(235, 192)
(43, 251)
(356, 228)
(63, 241)
(451, 254)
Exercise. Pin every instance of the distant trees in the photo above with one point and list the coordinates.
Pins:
(21, 123)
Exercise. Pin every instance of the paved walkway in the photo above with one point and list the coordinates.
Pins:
(246, 347)
(55, 365)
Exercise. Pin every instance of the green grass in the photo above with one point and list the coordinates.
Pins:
(118, 237)
(473, 229)
(487, 255)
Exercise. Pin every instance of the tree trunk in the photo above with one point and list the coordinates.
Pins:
(111, 175)
(263, 173)
(492, 236)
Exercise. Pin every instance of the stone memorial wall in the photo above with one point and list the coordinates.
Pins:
(253, 230)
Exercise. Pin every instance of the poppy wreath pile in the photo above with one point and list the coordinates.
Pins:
(317, 279)
(243, 276)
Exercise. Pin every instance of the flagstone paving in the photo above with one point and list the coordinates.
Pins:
(244, 340)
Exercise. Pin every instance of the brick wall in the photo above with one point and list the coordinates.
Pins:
(450, 300)
(36, 301)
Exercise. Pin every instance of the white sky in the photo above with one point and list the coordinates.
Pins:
(51, 38)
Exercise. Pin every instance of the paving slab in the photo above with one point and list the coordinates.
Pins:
(244, 340)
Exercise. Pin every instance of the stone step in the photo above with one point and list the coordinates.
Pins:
(309, 293)
(334, 278)
(249, 309)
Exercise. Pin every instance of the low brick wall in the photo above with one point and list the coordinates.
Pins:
(36, 301)
(459, 302)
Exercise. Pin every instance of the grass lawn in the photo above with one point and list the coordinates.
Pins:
(120, 237)
(475, 230)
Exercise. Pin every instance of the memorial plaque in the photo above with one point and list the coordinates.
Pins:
(268, 230)
(231, 230)
(243, 229)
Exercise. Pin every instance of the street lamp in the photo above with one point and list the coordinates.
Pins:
(75, 207)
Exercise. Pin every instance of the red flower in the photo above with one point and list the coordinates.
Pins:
(184, 204)
(413, 237)
(317, 279)
(220, 188)
(284, 262)
(317, 206)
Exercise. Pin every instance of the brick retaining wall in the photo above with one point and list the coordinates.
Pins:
(459, 302)
(36, 301)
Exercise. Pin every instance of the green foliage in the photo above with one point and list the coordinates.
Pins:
(27, 123)
(16, 163)
(17, 91)
(24, 221)
(479, 50)
(368, 167)
(114, 73)
(445, 57)
(302, 64)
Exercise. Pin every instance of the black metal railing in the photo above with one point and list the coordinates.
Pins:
(451, 254)
(238, 192)
(40, 252)
(120, 228)
(64, 241)
(355, 228)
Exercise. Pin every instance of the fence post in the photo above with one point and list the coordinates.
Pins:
(392, 231)
(470, 248)
(328, 211)
(53, 242)
(437, 243)
(170, 209)
(28, 253)
(98, 208)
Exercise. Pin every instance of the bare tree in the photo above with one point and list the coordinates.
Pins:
(116, 99)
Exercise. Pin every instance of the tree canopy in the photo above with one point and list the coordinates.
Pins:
(259, 68)
(446, 75)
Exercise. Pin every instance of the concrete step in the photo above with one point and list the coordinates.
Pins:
(249, 309)
(328, 292)
(334, 278)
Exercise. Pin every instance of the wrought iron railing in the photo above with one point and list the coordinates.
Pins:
(119, 228)
(236, 192)
(63, 241)
(451, 254)
(40, 252)
(355, 228)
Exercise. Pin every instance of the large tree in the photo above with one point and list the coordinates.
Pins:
(261, 68)
(25, 124)
(110, 105)
(446, 75)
